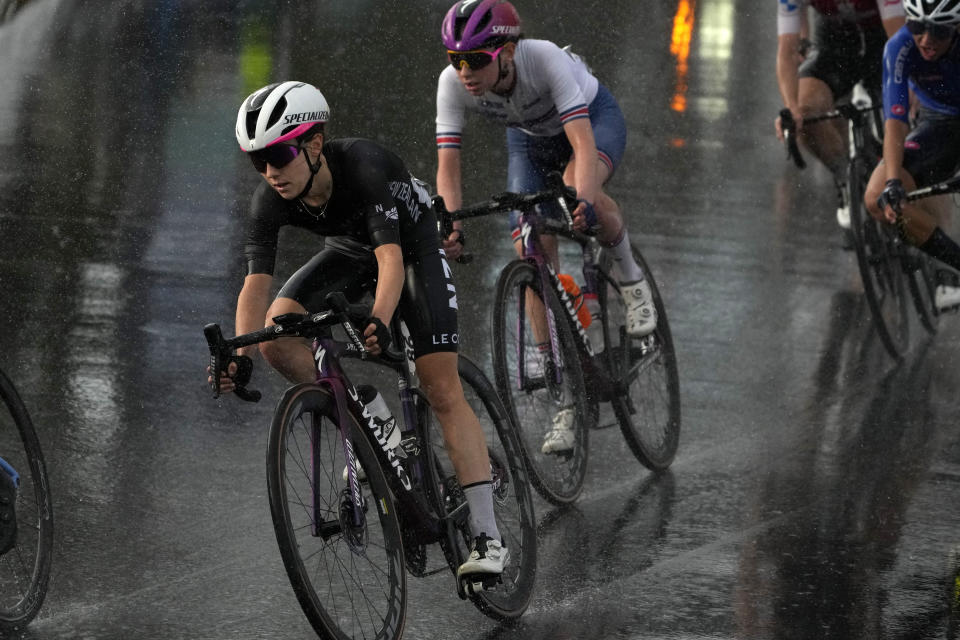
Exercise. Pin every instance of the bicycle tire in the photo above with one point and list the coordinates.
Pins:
(922, 279)
(881, 271)
(647, 400)
(25, 568)
(535, 400)
(513, 502)
(351, 582)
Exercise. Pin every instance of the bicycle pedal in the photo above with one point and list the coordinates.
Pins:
(473, 584)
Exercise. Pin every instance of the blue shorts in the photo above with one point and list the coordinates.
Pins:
(531, 158)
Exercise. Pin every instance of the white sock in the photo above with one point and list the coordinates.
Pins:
(620, 250)
(479, 497)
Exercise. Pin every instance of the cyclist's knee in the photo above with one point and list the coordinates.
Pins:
(274, 352)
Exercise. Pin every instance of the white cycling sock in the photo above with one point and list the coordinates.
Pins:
(630, 271)
(479, 497)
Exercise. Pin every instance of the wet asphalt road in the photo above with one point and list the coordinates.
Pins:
(815, 493)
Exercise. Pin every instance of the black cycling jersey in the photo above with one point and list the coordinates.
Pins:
(374, 201)
(846, 53)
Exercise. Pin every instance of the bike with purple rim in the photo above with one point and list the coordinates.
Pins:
(532, 308)
(351, 513)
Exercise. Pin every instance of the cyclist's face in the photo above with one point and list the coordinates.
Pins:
(290, 179)
(479, 81)
(931, 48)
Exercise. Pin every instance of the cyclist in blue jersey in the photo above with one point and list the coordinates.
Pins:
(848, 39)
(923, 56)
(381, 238)
(558, 118)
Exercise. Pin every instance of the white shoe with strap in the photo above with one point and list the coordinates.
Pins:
(641, 314)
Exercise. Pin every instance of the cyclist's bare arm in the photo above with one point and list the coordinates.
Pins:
(580, 134)
(788, 59)
(252, 305)
(390, 277)
(894, 136)
(449, 187)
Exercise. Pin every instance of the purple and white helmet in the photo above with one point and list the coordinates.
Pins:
(936, 11)
(480, 24)
(279, 112)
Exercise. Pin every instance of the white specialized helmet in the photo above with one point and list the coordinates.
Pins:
(936, 11)
(279, 112)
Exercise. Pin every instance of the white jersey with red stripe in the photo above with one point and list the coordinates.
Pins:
(553, 87)
(789, 12)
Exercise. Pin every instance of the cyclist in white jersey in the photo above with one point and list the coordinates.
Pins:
(848, 46)
(558, 117)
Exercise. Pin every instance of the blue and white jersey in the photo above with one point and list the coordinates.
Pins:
(935, 83)
(553, 87)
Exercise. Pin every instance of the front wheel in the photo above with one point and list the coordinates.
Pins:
(878, 257)
(26, 514)
(512, 500)
(543, 388)
(348, 575)
(647, 385)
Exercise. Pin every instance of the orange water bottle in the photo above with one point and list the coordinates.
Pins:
(576, 298)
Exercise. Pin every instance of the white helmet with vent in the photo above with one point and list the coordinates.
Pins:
(279, 112)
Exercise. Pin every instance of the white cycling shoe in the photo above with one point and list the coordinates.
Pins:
(561, 437)
(843, 216)
(946, 297)
(641, 314)
(487, 558)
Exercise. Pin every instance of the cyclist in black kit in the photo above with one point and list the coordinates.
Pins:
(381, 236)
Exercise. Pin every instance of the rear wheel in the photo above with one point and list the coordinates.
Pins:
(540, 387)
(646, 398)
(348, 575)
(26, 514)
(879, 260)
(512, 500)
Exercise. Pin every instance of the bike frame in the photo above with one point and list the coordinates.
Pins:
(331, 376)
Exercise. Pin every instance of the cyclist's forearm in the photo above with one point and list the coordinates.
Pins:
(580, 134)
(787, 70)
(894, 136)
(449, 178)
(252, 304)
(389, 281)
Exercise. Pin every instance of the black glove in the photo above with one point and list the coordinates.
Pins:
(381, 332)
(244, 370)
(893, 195)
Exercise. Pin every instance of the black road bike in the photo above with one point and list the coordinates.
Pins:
(892, 272)
(351, 514)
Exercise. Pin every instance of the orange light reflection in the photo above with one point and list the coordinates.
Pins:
(680, 47)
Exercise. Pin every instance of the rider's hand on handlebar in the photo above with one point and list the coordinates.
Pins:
(891, 199)
(376, 336)
(585, 218)
(239, 370)
(797, 122)
(453, 243)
